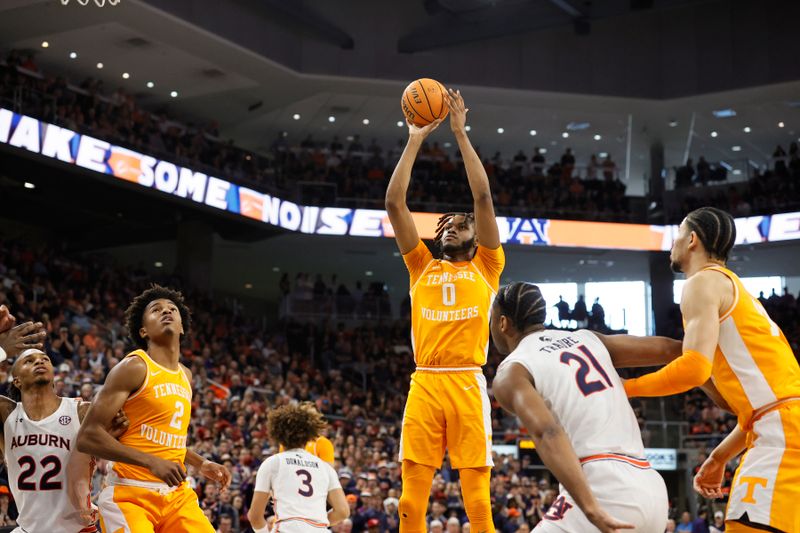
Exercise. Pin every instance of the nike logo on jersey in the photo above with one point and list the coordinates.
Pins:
(468, 388)
(155, 373)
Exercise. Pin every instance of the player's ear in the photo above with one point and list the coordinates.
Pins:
(693, 240)
(142, 332)
(503, 323)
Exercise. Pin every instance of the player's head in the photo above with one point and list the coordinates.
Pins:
(294, 425)
(455, 233)
(518, 308)
(32, 368)
(158, 314)
(708, 231)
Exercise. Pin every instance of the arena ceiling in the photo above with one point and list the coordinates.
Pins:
(254, 65)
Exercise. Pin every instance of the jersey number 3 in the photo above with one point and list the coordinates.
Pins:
(308, 489)
(582, 375)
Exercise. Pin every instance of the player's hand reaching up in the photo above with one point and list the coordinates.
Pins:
(708, 480)
(170, 473)
(458, 111)
(216, 472)
(422, 132)
(606, 523)
(7, 320)
(23, 337)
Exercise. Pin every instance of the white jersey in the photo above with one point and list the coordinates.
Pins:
(573, 373)
(300, 483)
(37, 454)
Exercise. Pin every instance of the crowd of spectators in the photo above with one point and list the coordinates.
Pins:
(347, 173)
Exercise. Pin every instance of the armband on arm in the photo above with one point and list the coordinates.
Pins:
(692, 369)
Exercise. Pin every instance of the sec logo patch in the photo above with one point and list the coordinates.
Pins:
(64, 420)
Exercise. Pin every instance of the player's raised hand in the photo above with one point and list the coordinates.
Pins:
(119, 424)
(422, 131)
(7, 320)
(606, 523)
(216, 472)
(170, 473)
(458, 111)
(26, 336)
(708, 480)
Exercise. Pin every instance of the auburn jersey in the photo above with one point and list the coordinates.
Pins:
(753, 365)
(158, 414)
(450, 305)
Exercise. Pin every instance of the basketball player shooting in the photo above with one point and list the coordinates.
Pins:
(448, 405)
(730, 337)
(147, 489)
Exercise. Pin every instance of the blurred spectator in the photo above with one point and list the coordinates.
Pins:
(685, 525)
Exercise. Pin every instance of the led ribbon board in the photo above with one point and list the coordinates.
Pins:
(115, 162)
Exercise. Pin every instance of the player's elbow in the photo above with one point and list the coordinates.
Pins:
(545, 433)
(393, 202)
(85, 440)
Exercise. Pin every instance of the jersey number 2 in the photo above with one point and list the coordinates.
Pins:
(581, 376)
(176, 418)
(28, 466)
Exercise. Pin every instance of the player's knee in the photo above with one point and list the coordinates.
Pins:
(412, 511)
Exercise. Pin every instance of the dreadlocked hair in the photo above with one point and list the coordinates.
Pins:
(295, 425)
(442, 222)
(715, 229)
(522, 303)
(134, 314)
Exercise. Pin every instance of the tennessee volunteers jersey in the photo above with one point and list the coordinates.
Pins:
(450, 305)
(320, 447)
(158, 414)
(753, 365)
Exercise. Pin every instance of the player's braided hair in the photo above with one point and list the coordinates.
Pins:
(715, 229)
(440, 225)
(134, 314)
(522, 303)
(294, 425)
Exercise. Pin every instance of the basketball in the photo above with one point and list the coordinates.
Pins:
(423, 101)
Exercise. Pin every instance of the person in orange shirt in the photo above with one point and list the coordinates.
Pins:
(147, 489)
(448, 405)
(730, 338)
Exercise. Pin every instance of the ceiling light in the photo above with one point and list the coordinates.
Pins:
(713, 133)
(45, 44)
(174, 94)
(99, 65)
(577, 126)
(276, 269)
(365, 122)
(29, 185)
(150, 84)
(331, 119)
(603, 154)
(597, 137)
(468, 127)
(737, 148)
(248, 285)
(542, 150)
(737, 172)
(158, 264)
(368, 273)
(565, 135)
(533, 133)
(125, 75)
(448, 144)
(296, 116)
(747, 129)
(399, 123)
(724, 113)
(500, 130)
(73, 55)
(673, 123)
(781, 124)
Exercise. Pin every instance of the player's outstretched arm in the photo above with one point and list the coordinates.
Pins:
(94, 438)
(405, 232)
(256, 512)
(209, 469)
(708, 480)
(700, 305)
(339, 508)
(514, 390)
(630, 351)
(485, 222)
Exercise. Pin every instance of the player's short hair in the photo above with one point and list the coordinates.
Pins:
(715, 229)
(295, 425)
(522, 303)
(134, 314)
(442, 222)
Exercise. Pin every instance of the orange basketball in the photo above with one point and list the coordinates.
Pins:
(423, 101)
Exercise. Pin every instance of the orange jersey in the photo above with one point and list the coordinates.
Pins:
(753, 365)
(159, 414)
(321, 447)
(450, 304)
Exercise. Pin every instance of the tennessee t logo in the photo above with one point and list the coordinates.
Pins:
(752, 482)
